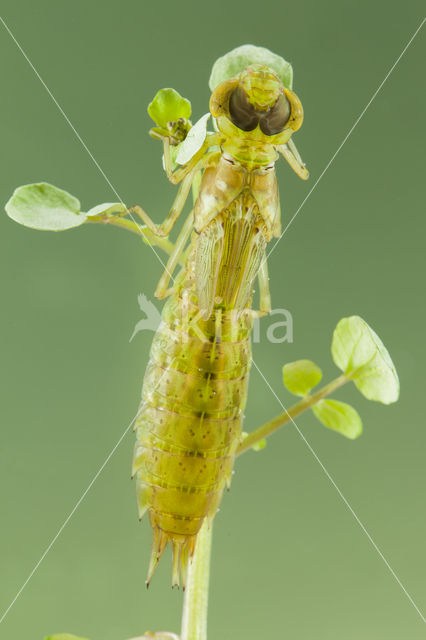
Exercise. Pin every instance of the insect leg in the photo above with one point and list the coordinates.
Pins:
(178, 175)
(292, 156)
(148, 235)
(161, 290)
(179, 202)
(264, 292)
(174, 213)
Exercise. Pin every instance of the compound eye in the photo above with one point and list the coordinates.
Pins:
(242, 113)
(275, 119)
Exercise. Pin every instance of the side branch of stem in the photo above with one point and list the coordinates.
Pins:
(287, 416)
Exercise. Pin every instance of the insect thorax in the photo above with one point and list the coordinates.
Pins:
(250, 149)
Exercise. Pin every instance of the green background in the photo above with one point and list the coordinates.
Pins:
(289, 559)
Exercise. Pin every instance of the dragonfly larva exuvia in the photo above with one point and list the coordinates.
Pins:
(189, 422)
(195, 387)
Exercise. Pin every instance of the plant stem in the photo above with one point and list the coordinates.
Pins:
(194, 617)
(308, 401)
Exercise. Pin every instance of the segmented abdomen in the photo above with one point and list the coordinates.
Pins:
(189, 424)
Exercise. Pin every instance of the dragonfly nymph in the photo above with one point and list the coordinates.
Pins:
(195, 388)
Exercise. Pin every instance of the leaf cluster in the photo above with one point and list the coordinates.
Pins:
(362, 357)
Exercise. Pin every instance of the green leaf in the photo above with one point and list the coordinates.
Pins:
(301, 376)
(358, 351)
(193, 141)
(168, 105)
(64, 636)
(107, 208)
(232, 63)
(339, 416)
(45, 207)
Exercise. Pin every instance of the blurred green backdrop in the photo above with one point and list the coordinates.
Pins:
(289, 559)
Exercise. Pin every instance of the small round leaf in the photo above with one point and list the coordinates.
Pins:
(232, 63)
(193, 141)
(301, 376)
(339, 416)
(358, 351)
(45, 207)
(168, 105)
